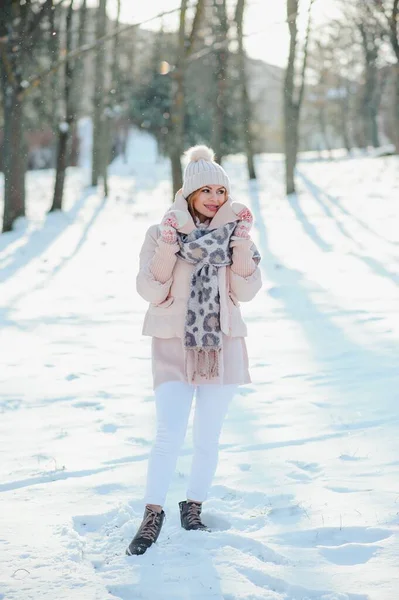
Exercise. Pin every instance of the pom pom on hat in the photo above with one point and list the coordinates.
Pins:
(202, 170)
(196, 153)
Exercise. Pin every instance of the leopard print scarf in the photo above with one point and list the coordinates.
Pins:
(208, 250)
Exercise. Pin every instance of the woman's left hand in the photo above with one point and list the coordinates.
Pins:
(245, 221)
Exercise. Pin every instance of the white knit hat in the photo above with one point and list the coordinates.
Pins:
(202, 170)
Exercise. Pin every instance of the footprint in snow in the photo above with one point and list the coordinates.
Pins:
(139, 441)
(11, 404)
(125, 592)
(311, 467)
(244, 544)
(284, 514)
(352, 457)
(109, 428)
(263, 581)
(244, 467)
(346, 490)
(350, 554)
(245, 391)
(332, 536)
(71, 377)
(88, 404)
(108, 488)
(224, 493)
(299, 477)
(215, 522)
(306, 471)
(322, 404)
(104, 395)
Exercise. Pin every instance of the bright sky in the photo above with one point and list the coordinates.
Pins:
(265, 30)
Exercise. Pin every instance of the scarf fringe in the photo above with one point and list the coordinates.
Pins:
(202, 362)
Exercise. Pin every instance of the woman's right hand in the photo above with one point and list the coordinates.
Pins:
(173, 220)
(244, 223)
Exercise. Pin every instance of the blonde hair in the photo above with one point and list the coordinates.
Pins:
(190, 204)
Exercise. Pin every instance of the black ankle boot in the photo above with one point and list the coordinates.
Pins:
(148, 532)
(190, 515)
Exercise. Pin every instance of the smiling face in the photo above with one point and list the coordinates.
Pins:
(206, 201)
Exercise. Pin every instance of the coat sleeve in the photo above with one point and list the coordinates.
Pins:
(245, 275)
(157, 261)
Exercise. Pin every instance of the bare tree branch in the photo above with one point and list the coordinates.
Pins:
(39, 16)
(196, 23)
(7, 64)
(305, 54)
(393, 24)
(35, 80)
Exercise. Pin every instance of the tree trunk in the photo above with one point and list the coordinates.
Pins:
(290, 112)
(219, 112)
(115, 52)
(184, 49)
(177, 147)
(61, 165)
(220, 76)
(323, 127)
(292, 103)
(397, 108)
(243, 81)
(54, 79)
(370, 99)
(13, 159)
(177, 176)
(394, 38)
(98, 94)
(374, 133)
(105, 152)
(344, 114)
(177, 107)
(65, 128)
(106, 117)
(247, 133)
(344, 128)
(79, 65)
(11, 75)
(291, 147)
(370, 108)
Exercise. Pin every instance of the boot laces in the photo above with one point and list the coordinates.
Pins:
(193, 514)
(149, 527)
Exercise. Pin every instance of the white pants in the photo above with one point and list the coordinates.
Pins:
(173, 404)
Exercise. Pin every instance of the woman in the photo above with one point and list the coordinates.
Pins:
(194, 269)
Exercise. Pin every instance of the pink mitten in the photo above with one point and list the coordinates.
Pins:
(172, 220)
(245, 223)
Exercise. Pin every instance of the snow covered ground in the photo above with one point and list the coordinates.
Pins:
(305, 503)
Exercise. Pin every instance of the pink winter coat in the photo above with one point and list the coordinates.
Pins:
(165, 317)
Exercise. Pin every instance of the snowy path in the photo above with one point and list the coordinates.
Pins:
(305, 501)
